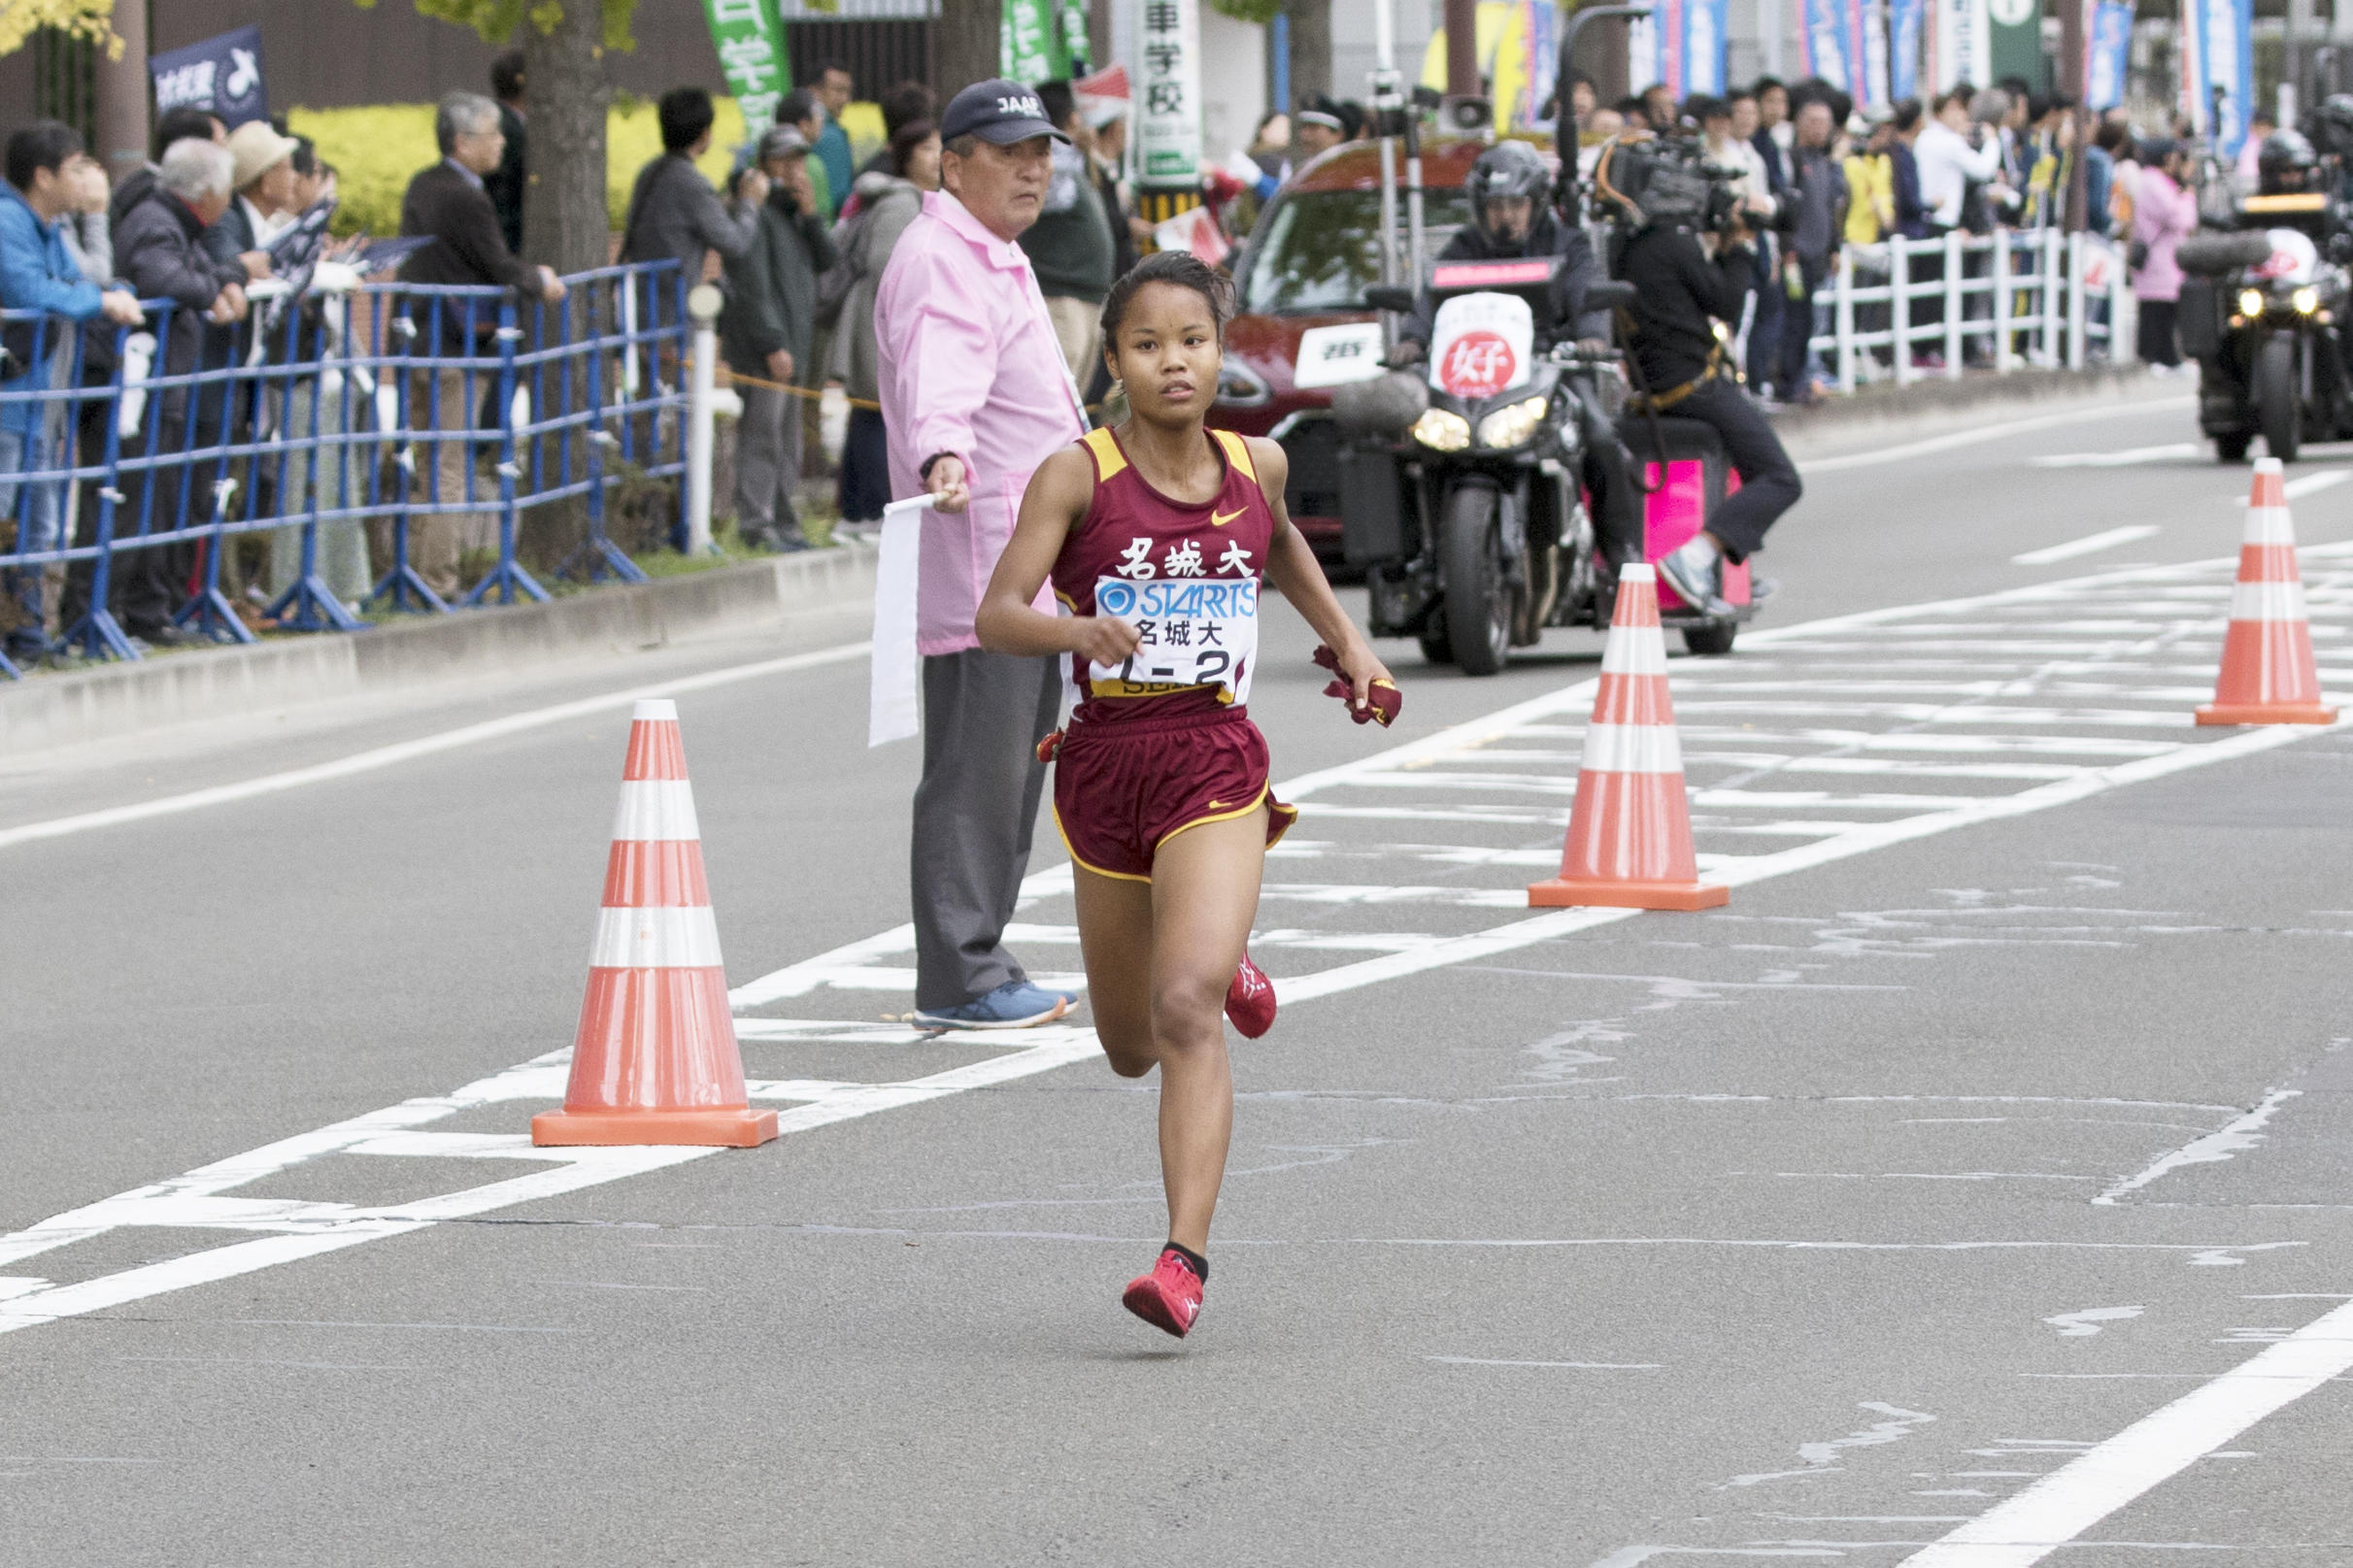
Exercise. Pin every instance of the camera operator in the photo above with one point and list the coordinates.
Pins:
(1512, 217)
(1685, 283)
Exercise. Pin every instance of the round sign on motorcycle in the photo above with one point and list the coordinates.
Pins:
(1478, 364)
(1480, 343)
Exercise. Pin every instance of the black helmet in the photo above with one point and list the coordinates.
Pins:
(2286, 163)
(1506, 170)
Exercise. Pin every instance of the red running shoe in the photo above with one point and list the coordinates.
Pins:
(1250, 1000)
(1169, 1297)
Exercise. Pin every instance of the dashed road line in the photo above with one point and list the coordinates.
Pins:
(2174, 608)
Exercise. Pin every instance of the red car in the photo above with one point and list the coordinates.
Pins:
(1315, 249)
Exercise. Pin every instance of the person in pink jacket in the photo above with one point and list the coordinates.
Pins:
(2164, 212)
(975, 395)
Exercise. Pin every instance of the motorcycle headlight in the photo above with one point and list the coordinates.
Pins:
(2250, 302)
(2307, 300)
(1442, 430)
(1510, 426)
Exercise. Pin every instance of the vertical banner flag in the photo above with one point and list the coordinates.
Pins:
(1042, 41)
(1870, 44)
(2013, 39)
(2215, 53)
(1538, 24)
(751, 41)
(1822, 42)
(2111, 34)
(1903, 18)
(1962, 44)
(222, 76)
(1686, 50)
(1168, 124)
(1666, 46)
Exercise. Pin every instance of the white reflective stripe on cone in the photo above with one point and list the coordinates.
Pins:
(656, 939)
(654, 708)
(2270, 525)
(2267, 601)
(1632, 749)
(655, 808)
(1643, 652)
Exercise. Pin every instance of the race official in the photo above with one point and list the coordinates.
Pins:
(975, 395)
(1684, 285)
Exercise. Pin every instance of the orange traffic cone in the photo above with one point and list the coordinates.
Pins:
(655, 1060)
(2267, 673)
(1630, 832)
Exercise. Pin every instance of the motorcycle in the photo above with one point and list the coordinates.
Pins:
(1460, 495)
(2259, 313)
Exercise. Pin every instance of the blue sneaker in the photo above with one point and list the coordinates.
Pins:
(1015, 1005)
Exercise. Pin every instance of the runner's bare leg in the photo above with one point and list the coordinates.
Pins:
(1205, 896)
(1115, 939)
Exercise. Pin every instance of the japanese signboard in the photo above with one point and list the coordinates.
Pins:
(750, 42)
(1168, 93)
(221, 75)
(1043, 41)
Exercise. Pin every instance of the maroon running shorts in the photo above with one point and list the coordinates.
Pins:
(1122, 790)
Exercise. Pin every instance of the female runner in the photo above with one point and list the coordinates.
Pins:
(1156, 536)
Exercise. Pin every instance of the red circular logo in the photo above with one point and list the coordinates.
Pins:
(1478, 364)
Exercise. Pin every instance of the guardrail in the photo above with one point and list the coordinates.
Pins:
(329, 412)
(2033, 297)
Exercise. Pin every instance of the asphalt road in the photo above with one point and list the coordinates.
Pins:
(1982, 1171)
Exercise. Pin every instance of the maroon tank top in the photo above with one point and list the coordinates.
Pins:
(1186, 575)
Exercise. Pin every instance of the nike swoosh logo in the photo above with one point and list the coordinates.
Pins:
(1220, 520)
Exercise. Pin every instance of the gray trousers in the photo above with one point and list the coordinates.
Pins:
(767, 462)
(984, 715)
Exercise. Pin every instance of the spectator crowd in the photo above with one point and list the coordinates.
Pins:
(800, 235)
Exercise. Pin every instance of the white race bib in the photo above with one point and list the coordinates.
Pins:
(1193, 631)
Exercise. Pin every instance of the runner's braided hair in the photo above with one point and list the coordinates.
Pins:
(1181, 268)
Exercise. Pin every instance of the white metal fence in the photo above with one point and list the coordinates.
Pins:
(1902, 310)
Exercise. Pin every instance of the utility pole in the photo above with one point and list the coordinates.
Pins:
(2076, 80)
(121, 93)
(1462, 48)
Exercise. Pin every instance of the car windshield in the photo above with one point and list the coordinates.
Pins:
(1322, 249)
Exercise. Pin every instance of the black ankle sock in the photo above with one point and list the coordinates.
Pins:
(1200, 1264)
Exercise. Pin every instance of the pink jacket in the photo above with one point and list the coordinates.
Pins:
(2163, 214)
(971, 366)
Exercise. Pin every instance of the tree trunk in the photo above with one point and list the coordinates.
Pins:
(566, 223)
(122, 94)
(966, 45)
(1310, 50)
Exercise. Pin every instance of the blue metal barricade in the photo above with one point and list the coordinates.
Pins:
(127, 473)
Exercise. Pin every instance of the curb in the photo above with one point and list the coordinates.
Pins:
(117, 699)
(1883, 409)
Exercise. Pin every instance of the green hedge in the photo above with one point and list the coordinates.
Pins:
(378, 148)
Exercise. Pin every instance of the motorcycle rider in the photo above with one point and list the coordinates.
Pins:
(2287, 165)
(1689, 291)
(1512, 217)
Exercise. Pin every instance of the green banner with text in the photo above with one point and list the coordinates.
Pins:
(749, 38)
(1043, 41)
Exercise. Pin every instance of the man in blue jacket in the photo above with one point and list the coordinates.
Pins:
(46, 166)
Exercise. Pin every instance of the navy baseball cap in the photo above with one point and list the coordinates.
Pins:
(998, 111)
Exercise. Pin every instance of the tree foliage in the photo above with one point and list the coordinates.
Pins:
(494, 20)
(92, 20)
(1260, 12)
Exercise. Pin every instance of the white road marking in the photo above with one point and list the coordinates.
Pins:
(2080, 1325)
(1580, 1366)
(448, 740)
(2224, 1142)
(2057, 1509)
(201, 1199)
(2088, 544)
(1988, 432)
(2123, 458)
